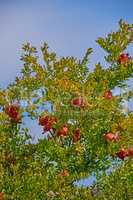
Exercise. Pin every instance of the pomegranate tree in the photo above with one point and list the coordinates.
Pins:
(85, 131)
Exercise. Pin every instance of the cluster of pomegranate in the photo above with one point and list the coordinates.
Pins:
(63, 132)
(48, 122)
(123, 58)
(111, 137)
(125, 153)
(13, 111)
(80, 102)
(114, 137)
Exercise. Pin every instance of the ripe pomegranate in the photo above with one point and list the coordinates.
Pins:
(122, 153)
(78, 102)
(63, 131)
(130, 151)
(123, 58)
(43, 120)
(111, 137)
(76, 136)
(47, 122)
(13, 112)
(108, 95)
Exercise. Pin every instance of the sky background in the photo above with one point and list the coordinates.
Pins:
(69, 26)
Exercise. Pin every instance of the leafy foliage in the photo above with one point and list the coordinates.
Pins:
(86, 132)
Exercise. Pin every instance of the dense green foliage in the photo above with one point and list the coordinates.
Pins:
(86, 133)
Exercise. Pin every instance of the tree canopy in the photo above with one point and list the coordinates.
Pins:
(86, 133)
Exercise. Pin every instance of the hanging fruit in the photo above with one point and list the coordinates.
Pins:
(123, 58)
(111, 137)
(108, 95)
(76, 135)
(63, 131)
(78, 102)
(122, 154)
(13, 112)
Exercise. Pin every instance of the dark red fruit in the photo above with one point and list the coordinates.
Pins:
(78, 102)
(123, 58)
(47, 122)
(111, 137)
(108, 95)
(63, 132)
(130, 151)
(76, 135)
(13, 112)
(43, 120)
(47, 127)
(122, 153)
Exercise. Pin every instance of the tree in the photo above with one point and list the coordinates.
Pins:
(86, 132)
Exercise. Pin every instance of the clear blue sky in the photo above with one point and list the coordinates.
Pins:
(69, 26)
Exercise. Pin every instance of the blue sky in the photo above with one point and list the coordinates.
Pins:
(69, 26)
